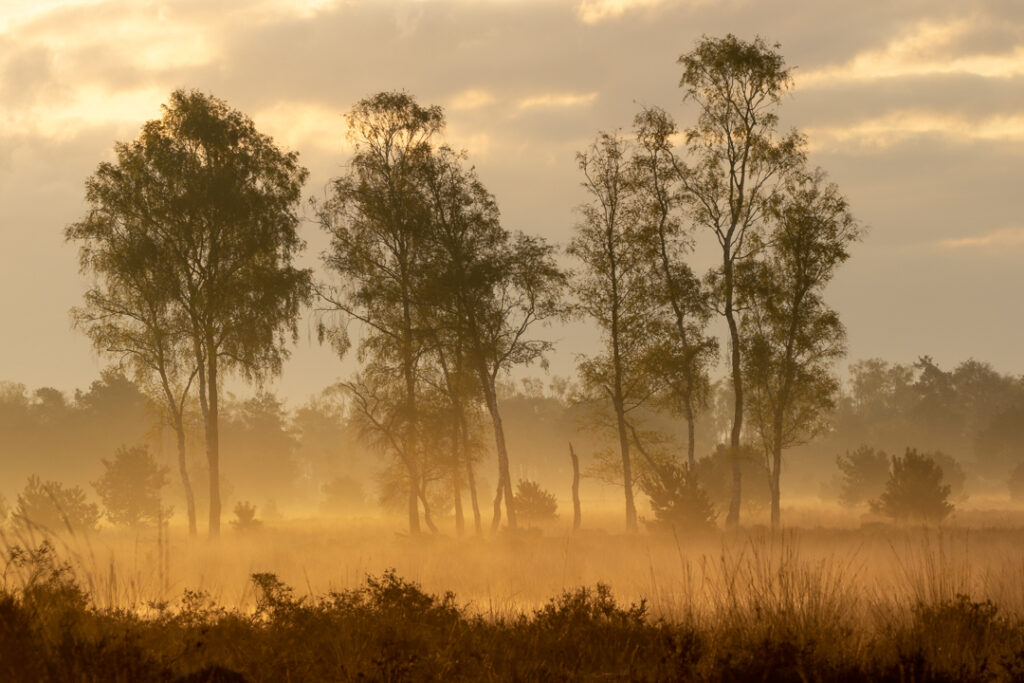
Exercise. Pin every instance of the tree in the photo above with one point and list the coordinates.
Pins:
(736, 161)
(130, 487)
(534, 504)
(678, 501)
(864, 474)
(486, 289)
(245, 517)
(790, 338)
(378, 221)
(211, 205)
(52, 506)
(685, 350)
(614, 289)
(915, 490)
(130, 315)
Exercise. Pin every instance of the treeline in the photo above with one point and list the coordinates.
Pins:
(190, 241)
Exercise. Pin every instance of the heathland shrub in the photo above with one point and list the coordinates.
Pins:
(53, 506)
(678, 501)
(533, 504)
(245, 517)
(914, 490)
(864, 473)
(130, 487)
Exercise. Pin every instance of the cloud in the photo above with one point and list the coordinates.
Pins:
(1005, 237)
(556, 100)
(895, 127)
(929, 49)
(471, 99)
(594, 11)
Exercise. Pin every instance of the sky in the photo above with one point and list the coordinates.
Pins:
(915, 108)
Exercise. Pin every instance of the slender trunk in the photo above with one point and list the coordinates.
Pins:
(577, 516)
(471, 482)
(691, 442)
(460, 520)
(732, 520)
(627, 467)
(414, 508)
(504, 474)
(773, 485)
(190, 501)
(213, 440)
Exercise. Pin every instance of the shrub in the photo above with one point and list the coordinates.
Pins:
(130, 487)
(245, 517)
(915, 490)
(715, 474)
(53, 506)
(864, 473)
(678, 501)
(533, 504)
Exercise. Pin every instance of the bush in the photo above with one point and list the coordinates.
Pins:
(245, 517)
(864, 473)
(678, 501)
(53, 506)
(533, 504)
(130, 487)
(714, 472)
(915, 490)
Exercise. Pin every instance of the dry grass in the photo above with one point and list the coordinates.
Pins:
(807, 604)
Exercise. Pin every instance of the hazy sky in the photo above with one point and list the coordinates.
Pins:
(914, 107)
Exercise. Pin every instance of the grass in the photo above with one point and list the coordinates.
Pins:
(311, 602)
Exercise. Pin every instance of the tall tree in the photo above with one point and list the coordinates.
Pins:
(130, 315)
(686, 350)
(378, 221)
(614, 289)
(491, 287)
(212, 203)
(736, 164)
(791, 338)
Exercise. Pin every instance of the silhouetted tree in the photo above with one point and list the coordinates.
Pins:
(53, 506)
(613, 289)
(915, 490)
(131, 315)
(678, 501)
(736, 161)
(534, 504)
(130, 487)
(212, 205)
(245, 517)
(378, 220)
(864, 474)
(684, 350)
(487, 288)
(790, 338)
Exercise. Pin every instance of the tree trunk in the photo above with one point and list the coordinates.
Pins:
(460, 520)
(691, 442)
(577, 517)
(471, 483)
(190, 500)
(732, 519)
(504, 474)
(627, 468)
(213, 440)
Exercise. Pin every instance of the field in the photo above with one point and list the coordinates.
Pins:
(322, 600)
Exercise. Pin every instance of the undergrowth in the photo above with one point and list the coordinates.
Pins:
(389, 629)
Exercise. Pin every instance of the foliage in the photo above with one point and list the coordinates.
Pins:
(130, 487)
(914, 490)
(533, 503)
(245, 517)
(714, 472)
(678, 501)
(53, 506)
(865, 472)
(199, 215)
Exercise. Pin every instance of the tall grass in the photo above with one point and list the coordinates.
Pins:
(310, 603)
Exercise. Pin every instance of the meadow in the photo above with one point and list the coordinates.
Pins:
(313, 600)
